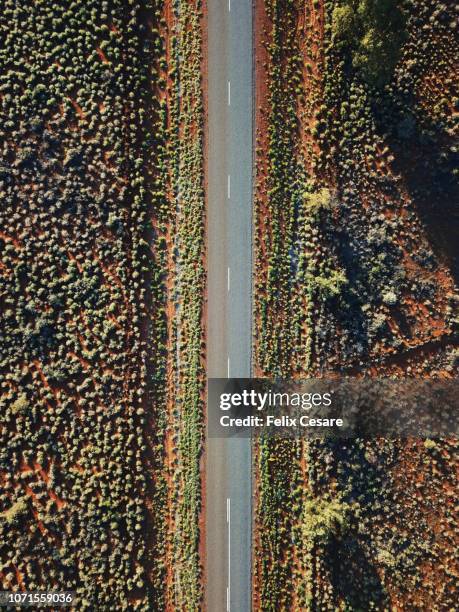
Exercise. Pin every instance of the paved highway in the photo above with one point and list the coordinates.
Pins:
(229, 227)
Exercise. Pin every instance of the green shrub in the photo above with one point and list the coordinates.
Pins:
(20, 405)
(17, 510)
(329, 285)
(323, 519)
(317, 201)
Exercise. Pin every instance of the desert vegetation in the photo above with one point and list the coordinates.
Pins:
(355, 274)
(101, 293)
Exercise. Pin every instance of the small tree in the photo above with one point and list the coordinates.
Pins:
(329, 285)
(323, 519)
(20, 405)
(17, 510)
(317, 201)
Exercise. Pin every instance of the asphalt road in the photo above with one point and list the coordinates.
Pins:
(229, 228)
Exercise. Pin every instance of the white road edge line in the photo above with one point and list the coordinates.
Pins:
(228, 367)
(229, 6)
(229, 279)
(229, 186)
(228, 589)
(229, 93)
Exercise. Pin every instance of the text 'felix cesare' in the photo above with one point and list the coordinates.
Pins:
(254, 400)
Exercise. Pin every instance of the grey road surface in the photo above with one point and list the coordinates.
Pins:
(229, 227)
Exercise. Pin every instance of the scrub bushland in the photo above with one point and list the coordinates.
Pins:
(355, 274)
(101, 221)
